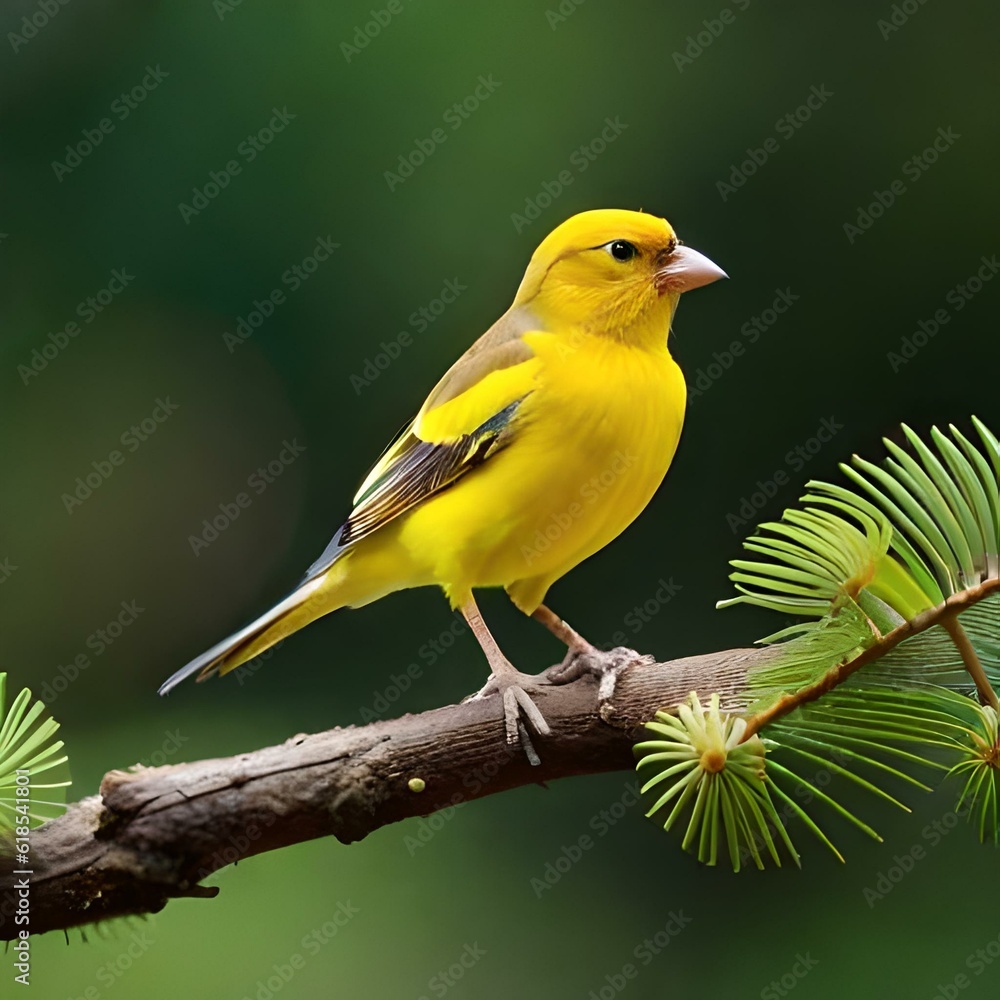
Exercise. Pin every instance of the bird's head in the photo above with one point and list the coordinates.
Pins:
(612, 271)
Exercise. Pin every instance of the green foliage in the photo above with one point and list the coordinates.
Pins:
(26, 744)
(897, 584)
(718, 783)
(981, 769)
(945, 514)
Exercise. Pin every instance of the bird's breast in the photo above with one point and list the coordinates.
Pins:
(600, 396)
(592, 443)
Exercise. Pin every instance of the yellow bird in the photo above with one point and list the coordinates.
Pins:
(541, 444)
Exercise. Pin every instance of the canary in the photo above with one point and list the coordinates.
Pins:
(541, 444)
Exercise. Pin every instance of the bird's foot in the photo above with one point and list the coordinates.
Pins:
(606, 665)
(518, 707)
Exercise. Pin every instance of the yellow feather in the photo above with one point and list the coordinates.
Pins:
(488, 396)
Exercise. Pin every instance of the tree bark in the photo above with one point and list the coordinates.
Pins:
(154, 834)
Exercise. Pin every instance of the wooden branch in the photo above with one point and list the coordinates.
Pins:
(155, 833)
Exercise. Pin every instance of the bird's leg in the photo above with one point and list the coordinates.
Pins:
(562, 631)
(583, 657)
(580, 654)
(506, 680)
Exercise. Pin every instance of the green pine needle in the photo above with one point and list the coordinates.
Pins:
(702, 768)
(981, 764)
(27, 745)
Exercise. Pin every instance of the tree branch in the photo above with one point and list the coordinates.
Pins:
(944, 614)
(156, 833)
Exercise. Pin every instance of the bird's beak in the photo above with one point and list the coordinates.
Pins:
(685, 270)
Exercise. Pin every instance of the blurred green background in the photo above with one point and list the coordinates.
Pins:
(699, 93)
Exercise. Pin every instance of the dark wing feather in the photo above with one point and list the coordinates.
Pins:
(412, 468)
(419, 470)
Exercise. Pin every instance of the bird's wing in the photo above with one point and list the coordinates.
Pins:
(470, 415)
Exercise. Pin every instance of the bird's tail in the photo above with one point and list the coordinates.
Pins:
(312, 599)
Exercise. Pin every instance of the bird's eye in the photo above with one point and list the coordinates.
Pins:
(621, 250)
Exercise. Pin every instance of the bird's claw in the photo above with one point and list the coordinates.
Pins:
(575, 663)
(605, 665)
(517, 701)
(518, 708)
